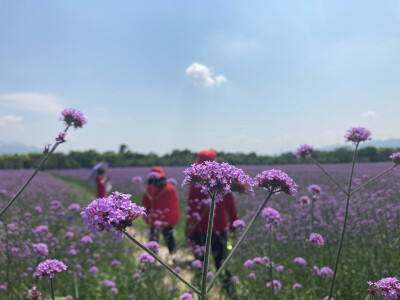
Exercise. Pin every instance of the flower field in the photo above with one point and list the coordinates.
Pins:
(46, 223)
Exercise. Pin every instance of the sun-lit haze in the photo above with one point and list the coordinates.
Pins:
(265, 76)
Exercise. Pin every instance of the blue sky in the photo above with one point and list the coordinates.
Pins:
(261, 76)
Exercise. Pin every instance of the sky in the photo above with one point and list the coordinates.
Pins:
(239, 76)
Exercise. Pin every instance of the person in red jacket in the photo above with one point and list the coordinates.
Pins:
(101, 183)
(162, 209)
(198, 214)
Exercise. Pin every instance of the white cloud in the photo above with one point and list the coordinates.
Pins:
(37, 102)
(13, 119)
(201, 75)
(368, 114)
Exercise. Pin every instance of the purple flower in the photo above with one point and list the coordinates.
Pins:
(234, 278)
(327, 298)
(86, 239)
(114, 291)
(33, 294)
(197, 264)
(325, 272)
(116, 211)
(40, 249)
(248, 263)
(69, 234)
(210, 274)
(186, 296)
(73, 117)
(153, 246)
(109, 283)
(357, 135)
(50, 267)
(240, 224)
(395, 157)
(316, 239)
(304, 150)
(69, 297)
(389, 288)
(218, 178)
(46, 148)
(297, 286)
(314, 189)
(172, 181)
(137, 179)
(146, 258)
(301, 261)
(252, 276)
(304, 200)
(74, 207)
(276, 181)
(94, 270)
(272, 216)
(280, 269)
(115, 262)
(257, 260)
(61, 137)
(153, 175)
(277, 285)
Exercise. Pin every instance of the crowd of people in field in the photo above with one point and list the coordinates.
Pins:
(162, 212)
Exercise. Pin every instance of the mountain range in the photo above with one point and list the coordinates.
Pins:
(17, 148)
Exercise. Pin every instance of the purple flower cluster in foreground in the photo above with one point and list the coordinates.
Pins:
(272, 216)
(218, 178)
(316, 239)
(389, 288)
(357, 135)
(50, 267)
(304, 150)
(115, 211)
(276, 181)
(73, 117)
(395, 157)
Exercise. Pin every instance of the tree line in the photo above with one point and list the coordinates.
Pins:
(126, 158)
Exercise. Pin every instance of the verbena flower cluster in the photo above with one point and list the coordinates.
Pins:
(276, 181)
(116, 211)
(316, 239)
(33, 294)
(314, 189)
(389, 288)
(50, 267)
(73, 117)
(304, 150)
(357, 135)
(218, 178)
(395, 157)
(272, 216)
(240, 224)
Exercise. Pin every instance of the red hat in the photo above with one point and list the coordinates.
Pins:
(159, 170)
(206, 155)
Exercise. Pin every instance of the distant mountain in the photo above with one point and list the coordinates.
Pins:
(390, 143)
(17, 148)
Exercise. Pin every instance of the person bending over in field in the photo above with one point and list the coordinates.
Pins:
(197, 220)
(162, 209)
(101, 183)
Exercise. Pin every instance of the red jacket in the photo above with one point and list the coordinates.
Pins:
(164, 209)
(198, 211)
(101, 187)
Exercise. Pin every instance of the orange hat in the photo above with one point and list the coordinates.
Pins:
(159, 170)
(206, 155)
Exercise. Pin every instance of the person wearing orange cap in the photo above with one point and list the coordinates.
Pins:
(162, 209)
(198, 214)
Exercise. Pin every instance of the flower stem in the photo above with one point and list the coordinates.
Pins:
(157, 258)
(344, 224)
(372, 179)
(52, 288)
(3, 210)
(271, 239)
(226, 262)
(327, 174)
(312, 249)
(203, 295)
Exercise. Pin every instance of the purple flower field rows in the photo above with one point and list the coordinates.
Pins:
(371, 245)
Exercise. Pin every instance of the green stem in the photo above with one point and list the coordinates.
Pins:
(226, 262)
(52, 288)
(372, 179)
(157, 258)
(327, 174)
(312, 249)
(3, 210)
(203, 295)
(271, 239)
(344, 224)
